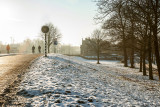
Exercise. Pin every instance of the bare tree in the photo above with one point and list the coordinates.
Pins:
(97, 42)
(116, 20)
(133, 22)
(151, 16)
(53, 34)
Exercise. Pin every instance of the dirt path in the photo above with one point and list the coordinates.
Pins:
(11, 70)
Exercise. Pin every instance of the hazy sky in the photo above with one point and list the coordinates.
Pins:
(23, 19)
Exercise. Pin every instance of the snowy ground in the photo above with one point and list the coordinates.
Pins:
(60, 80)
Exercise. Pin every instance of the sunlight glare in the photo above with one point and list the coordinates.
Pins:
(5, 11)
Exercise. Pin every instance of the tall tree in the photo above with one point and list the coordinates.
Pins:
(133, 22)
(131, 26)
(117, 21)
(97, 42)
(151, 10)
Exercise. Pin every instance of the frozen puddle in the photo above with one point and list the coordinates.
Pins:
(60, 81)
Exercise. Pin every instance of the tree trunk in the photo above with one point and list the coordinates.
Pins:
(132, 54)
(155, 27)
(144, 58)
(98, 53)
(150, 57)
(48, 49)
(157, 54)
(125, 52)
(48, 43)
(132, 45)
(123, 39)
(98, 58)
(141, 55)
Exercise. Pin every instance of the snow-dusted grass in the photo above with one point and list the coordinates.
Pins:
(60, 80)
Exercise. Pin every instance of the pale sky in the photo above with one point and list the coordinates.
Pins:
(21, 19)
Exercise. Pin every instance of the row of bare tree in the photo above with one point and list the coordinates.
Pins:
(136, 24)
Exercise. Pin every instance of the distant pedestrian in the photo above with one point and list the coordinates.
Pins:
(39, 49)
(8, 48)
(33, 49)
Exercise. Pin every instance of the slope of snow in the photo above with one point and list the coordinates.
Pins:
(60, 80)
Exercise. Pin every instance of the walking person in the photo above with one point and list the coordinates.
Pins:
(39, 49)
(33, 49)
(8, 48)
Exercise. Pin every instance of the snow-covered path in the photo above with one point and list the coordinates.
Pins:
(60, 80)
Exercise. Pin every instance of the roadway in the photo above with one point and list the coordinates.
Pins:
(11, 67)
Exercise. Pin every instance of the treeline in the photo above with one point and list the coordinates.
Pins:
(23, 47)
(26, 47)
(135, 24)
(69, 50)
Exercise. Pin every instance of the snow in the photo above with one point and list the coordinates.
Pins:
(60, 80)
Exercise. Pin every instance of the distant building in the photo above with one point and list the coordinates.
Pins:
(85, 49)
(88, 51)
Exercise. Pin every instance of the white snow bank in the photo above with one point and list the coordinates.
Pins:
(60, 80)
